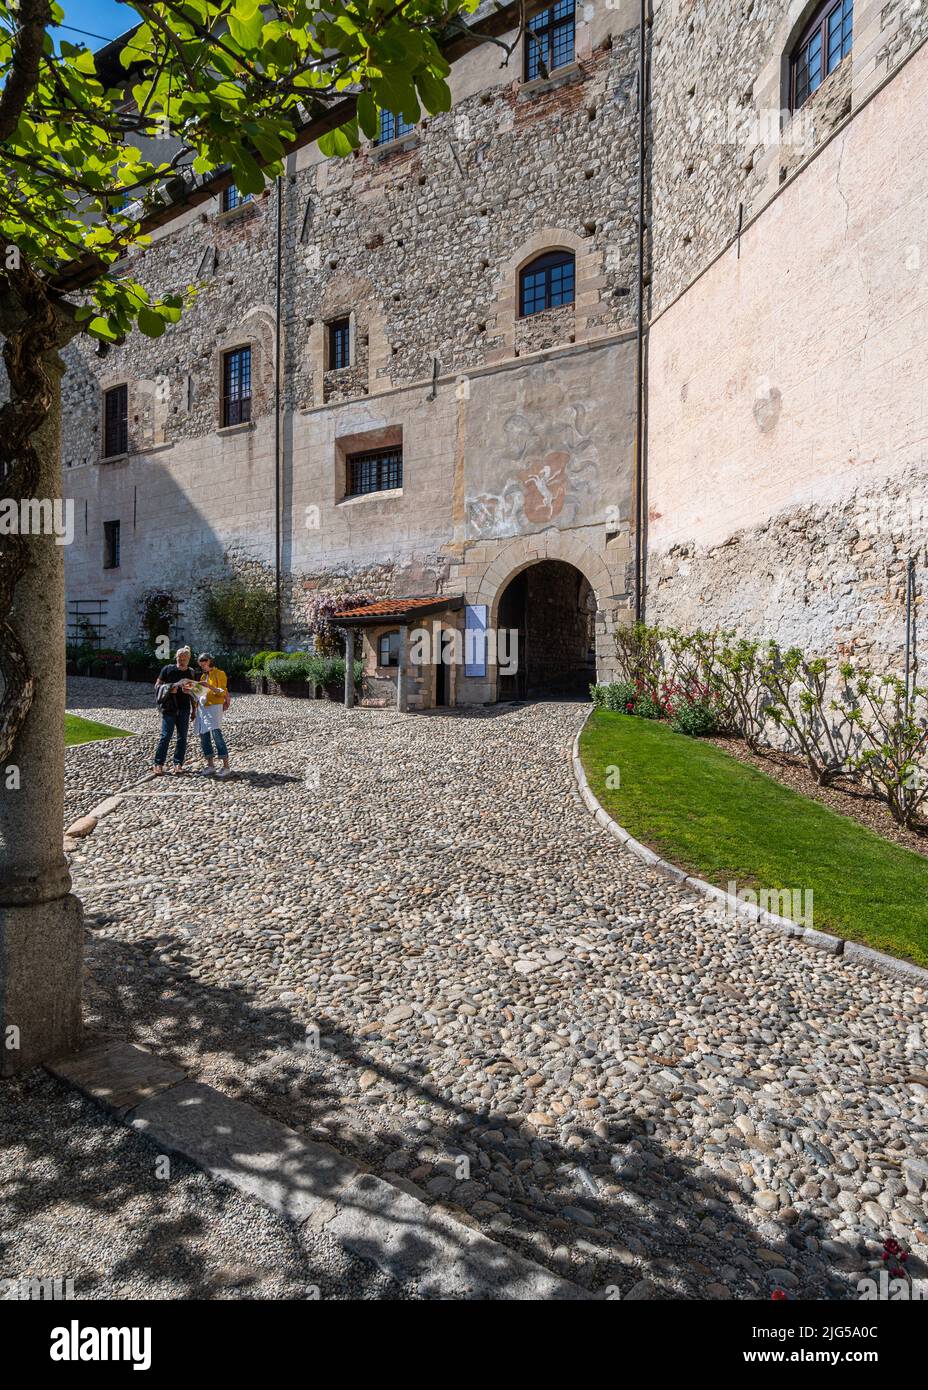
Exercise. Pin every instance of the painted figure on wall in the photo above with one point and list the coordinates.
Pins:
(547, 467)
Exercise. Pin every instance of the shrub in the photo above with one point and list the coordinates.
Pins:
(619, 696)
(294, 666)
(697, 718)
(638, 650)
(738, 685)
(108, 662)
(894, 740)
(330, 670)
(647, 706)
(142, 658)
(257, 663)
(239, 612)
(233, 663)
(798, 687)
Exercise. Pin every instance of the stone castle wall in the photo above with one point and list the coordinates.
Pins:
(420, 243)
(781, 391)
(724, 140)
(788, 433)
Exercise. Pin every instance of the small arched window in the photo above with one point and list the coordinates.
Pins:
(825, 40)
(546, 282)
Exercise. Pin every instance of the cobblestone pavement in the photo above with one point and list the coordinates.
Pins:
(95, 770)
(405, 935)
(85, 1199)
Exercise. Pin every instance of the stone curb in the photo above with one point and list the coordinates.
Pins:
(306, 1182)
(807, 936)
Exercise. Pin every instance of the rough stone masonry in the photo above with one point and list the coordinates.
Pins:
(516, 434)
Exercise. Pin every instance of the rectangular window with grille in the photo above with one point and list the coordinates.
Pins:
(549, 40)
(111, 545)
(393, 127)
(236, 387)
(375, 472)
(116, 421)
(231, 198)
(339, 344)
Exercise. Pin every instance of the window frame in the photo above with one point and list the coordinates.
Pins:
(545, 264)
(338, 331)
(391, 128)
(818, 26)
(111, 545)
(548, 25)
(385, 637)
(235, 408)
(230, 199)
(388, 471)
(122, 425)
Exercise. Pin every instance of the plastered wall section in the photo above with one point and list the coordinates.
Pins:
(793, 378)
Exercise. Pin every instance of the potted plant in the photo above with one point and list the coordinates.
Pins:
(108, 663)
(289, 675)
(141, 664)
(256, 675)
(327, 675)
(236, 666)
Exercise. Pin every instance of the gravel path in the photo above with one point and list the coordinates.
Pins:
(82, 1201)
(407, 936)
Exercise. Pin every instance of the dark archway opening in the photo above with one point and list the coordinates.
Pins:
(553, 608)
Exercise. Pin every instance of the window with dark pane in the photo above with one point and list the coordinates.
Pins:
(339, 344)
(111, 545)
(549, 40)
(388, 649)
(375, 472)
(393, 127)
(826, 39)
(546, 282)
(231, 198)
(116, 421)
(236, 387)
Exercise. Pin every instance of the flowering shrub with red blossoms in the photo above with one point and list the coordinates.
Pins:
(895, 1255)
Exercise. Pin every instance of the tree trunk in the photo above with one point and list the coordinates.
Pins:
(40, 920)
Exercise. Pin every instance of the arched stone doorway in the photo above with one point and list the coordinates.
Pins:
(552, 607)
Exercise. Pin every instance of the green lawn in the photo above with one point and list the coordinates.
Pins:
(724, 821)
(78, 730)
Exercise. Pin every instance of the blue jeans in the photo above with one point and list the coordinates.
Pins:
(221, 749)
(171, 724)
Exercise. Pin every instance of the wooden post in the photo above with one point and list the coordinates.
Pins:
(401, 675)
(349, 667)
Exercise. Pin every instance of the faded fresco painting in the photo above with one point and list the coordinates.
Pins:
(548, 453)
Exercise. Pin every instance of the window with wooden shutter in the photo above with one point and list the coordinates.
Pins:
(111, 545)
(116, 421)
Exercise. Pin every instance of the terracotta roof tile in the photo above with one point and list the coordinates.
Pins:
(396, 607)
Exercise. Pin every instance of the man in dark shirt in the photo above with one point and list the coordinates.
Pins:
(176, 708)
